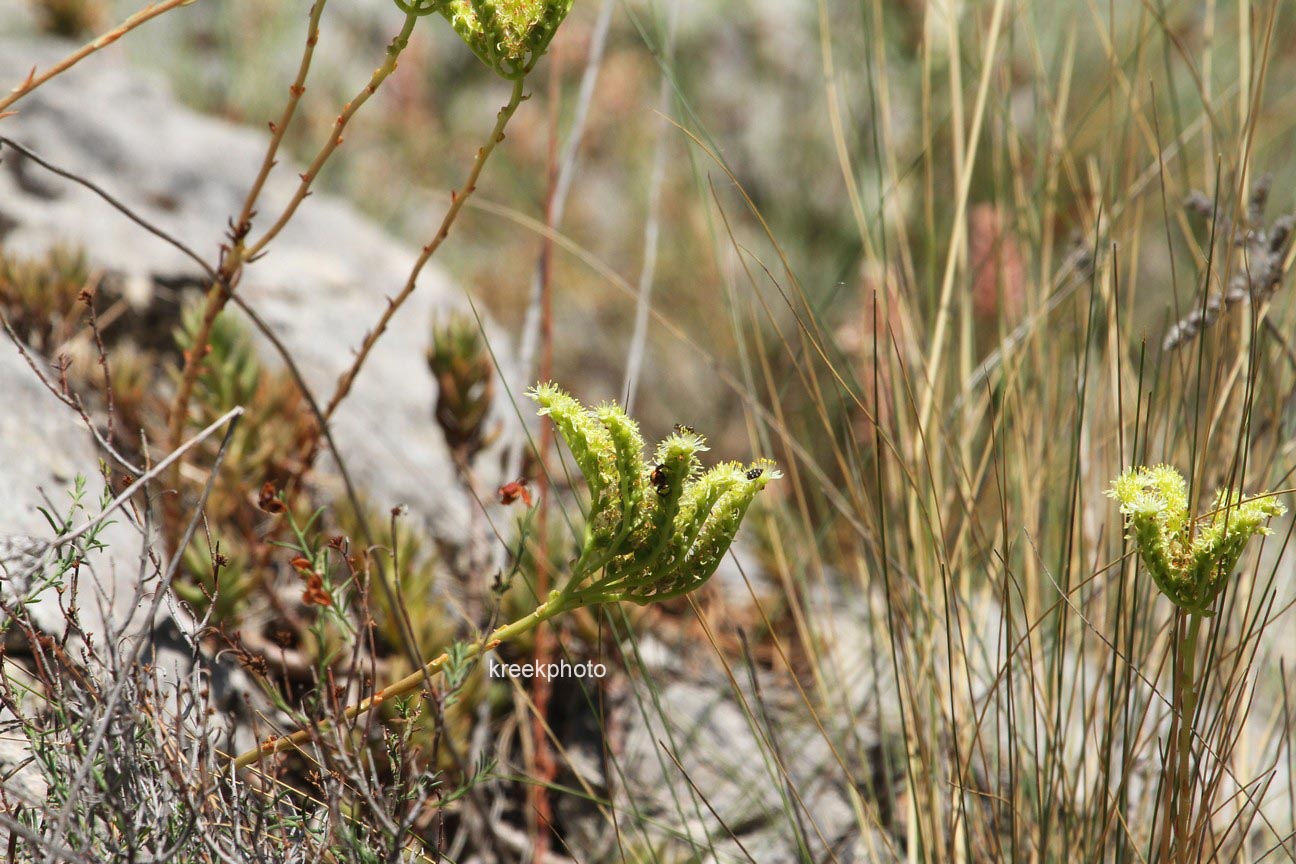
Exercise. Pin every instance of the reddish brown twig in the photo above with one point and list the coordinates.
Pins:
(238, 253)
(457, 199)
(34, 80)
(278, 130)
(545, 768)
(381, 74)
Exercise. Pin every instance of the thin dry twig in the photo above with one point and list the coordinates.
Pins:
(279, 129)
(381, 74)
(237, 254)
(652, 222)
(138, 644)
(70, 400)
(280, 348)
(558, 203)
(457, 200)
(109, 199)
(541, 762)
(34, 80)
(145, 478)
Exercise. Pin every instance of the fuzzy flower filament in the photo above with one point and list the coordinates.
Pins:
(591, 446)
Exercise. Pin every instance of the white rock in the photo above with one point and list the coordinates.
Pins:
(321, 286)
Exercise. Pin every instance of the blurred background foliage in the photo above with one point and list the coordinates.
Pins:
(777, 90)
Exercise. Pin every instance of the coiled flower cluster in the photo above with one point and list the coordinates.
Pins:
(655, 529)
(1190, 559)
(508, 35)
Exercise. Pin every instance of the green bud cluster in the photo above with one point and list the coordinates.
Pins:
(655, 529)
(509, 36)
(1189, 559)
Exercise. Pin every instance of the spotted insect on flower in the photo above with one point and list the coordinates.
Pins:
(682, 429)
(754, 473)
(659, 480)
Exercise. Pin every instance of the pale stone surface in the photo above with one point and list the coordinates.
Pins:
(321, 286)
(43, 447)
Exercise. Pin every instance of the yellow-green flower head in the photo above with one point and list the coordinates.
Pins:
(655, 529)
(1158, 492)
(1189, 560)
(508, 35)
(588, 439)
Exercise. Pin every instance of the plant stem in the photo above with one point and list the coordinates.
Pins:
(552, 607)
(543, 766)
(398, 44)
(237, 253)
(277, 130)
(1186, 702)
(457, 200)
(33, 80)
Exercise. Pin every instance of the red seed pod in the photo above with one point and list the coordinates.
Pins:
(512, 491)
(269, 500)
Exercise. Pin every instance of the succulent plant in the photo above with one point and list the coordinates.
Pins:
(261, 451)
(461, 364)
(653, 531)
(41, 296)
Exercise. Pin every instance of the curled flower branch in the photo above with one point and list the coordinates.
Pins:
(653, 531)
(510, 36)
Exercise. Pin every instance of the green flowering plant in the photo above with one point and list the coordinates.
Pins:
(654, 530)
(1190, 559)
(509, 36)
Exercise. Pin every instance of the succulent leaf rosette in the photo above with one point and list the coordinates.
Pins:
(1190, 559)
(656, 528)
